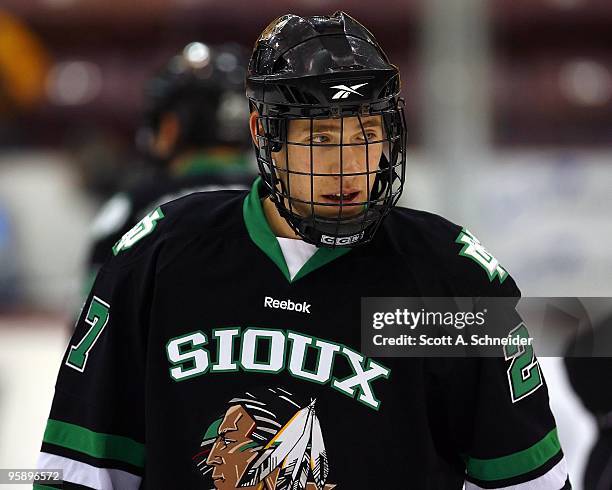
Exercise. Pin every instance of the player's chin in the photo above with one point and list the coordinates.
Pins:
(339, 211)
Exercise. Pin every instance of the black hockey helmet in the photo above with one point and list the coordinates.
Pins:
(204, 86)
(326, 67)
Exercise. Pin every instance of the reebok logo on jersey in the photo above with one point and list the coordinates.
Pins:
(344, 91)
(287, 304)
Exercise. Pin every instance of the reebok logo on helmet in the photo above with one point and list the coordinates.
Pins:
(344, 91)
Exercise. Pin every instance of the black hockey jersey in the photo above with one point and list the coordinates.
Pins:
(198, 362)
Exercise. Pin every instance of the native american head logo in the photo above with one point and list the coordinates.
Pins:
(265, 441)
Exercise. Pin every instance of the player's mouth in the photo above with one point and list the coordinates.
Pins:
(344, 198)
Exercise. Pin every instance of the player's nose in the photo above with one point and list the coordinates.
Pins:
(352, 161)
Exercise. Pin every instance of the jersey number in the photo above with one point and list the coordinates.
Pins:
(524, 375)
(97, 317)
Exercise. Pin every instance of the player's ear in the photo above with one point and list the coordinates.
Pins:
(254, 124)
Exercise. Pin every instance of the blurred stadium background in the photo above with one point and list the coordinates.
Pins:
(509, 109)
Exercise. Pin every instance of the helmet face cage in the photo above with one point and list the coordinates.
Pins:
(385, 179)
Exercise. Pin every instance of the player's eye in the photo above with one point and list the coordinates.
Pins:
(370, 136)
(320, 139)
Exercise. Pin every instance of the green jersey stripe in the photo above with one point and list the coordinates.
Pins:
(95, 444)
(555, 477)
(515, 464)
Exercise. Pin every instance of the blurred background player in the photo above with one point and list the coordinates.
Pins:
(591, 378)
(193, 136)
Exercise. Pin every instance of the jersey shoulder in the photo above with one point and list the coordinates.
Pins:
(453, 250)
(195, 215)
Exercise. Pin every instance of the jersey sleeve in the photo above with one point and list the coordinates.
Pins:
(112, 221)
(498, 416)
(96, 429)
(514, 440)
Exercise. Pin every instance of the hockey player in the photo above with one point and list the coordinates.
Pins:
(220, 345)
(193, 133)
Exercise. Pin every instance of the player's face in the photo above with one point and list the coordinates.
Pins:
(334, 187)
(230, 454)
